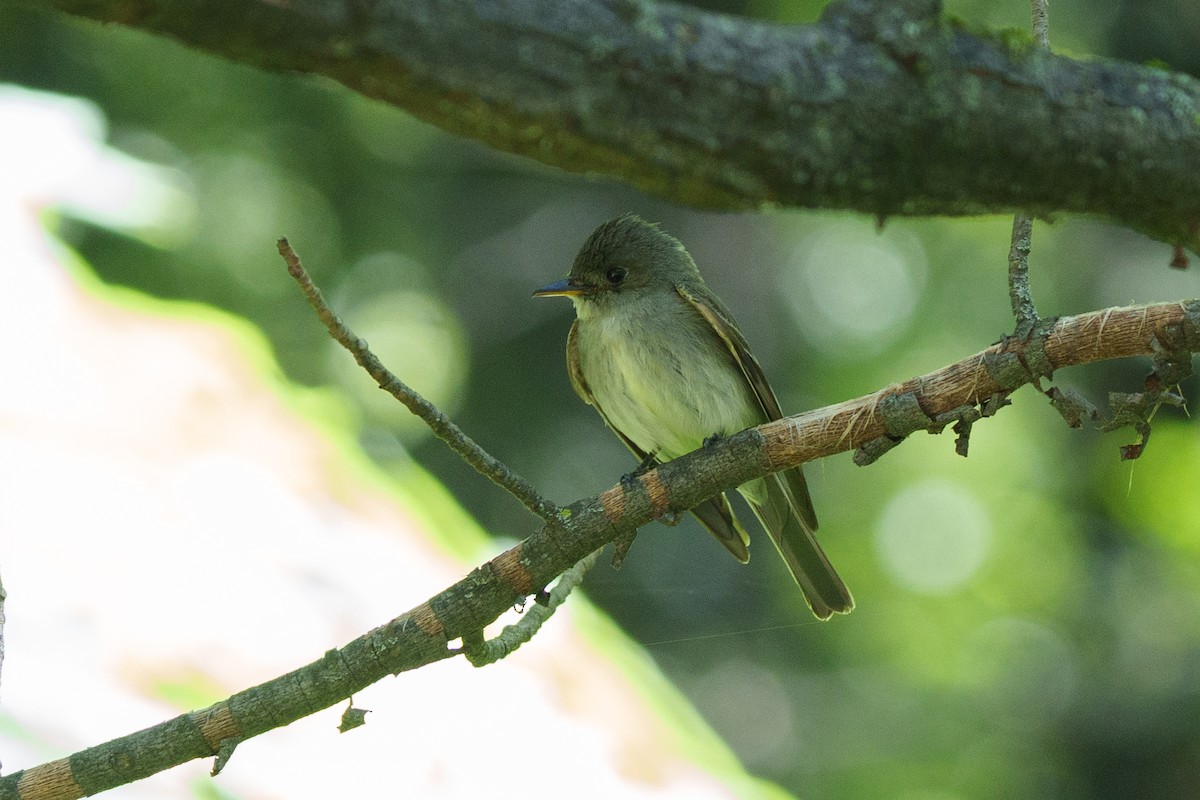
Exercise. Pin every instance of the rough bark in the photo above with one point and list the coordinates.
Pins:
(886, 108)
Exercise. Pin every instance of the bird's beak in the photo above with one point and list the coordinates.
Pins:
(564, 288)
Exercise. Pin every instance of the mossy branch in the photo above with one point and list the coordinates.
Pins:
(883, 108)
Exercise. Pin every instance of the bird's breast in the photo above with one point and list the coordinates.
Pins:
(663, 378)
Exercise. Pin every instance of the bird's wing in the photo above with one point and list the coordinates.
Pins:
(718, 320)
(715, 513)
(786, 510)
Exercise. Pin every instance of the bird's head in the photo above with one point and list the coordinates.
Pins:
(624, 255)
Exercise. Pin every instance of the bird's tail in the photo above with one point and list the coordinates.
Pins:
(785, 511)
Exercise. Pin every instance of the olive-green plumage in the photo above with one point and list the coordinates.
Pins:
(661, 359)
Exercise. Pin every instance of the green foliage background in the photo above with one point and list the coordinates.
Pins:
(1029, 618)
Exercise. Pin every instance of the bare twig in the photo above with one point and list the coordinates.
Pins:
(1022, 233)
(441, 425)
(1041, 22)
(481, 653)
(1018, 275)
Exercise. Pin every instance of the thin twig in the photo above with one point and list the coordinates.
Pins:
(483, 462)
(1022, 232)
(1018, 275)
(1041, 21)
(481, 653)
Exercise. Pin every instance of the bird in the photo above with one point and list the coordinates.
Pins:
(662, 360)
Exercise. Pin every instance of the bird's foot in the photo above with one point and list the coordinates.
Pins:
(647, 463)
(670, 518)
(711, 440)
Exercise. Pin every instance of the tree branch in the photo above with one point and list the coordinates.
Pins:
(1169, 332)
(884, 108)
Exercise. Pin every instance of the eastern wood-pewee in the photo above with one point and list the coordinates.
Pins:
(662, 360)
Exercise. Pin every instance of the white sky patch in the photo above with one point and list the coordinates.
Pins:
(52, 153)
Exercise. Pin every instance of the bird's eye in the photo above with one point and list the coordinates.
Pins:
(616, 274)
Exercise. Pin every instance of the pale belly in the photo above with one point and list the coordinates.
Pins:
(666, 392)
